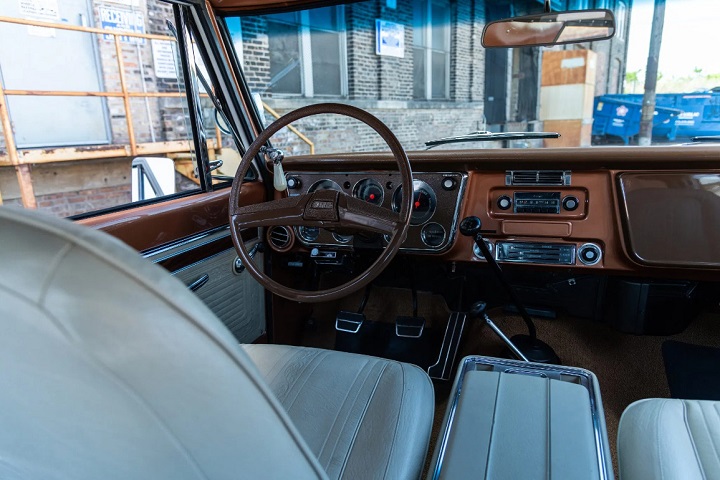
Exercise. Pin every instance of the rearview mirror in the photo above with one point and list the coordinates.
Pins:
(559, 28)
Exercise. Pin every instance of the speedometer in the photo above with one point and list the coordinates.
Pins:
(424, 202)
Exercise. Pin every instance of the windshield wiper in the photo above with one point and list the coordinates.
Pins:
(706, 139)
(491, 137)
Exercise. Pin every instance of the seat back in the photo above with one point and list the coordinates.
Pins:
(110, 368)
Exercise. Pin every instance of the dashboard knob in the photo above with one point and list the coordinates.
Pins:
(470, 226)
(589, 254)
(504, 202)
(448, 183)
(294, 183)
(570, 203)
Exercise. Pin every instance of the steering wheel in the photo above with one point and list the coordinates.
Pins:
(323, 208)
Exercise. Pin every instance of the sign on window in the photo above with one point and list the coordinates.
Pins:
(123, 20)
(390, 39)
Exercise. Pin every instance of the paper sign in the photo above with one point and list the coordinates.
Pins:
(389, 38)
(163, 58)
(124, 20)
(44, 10)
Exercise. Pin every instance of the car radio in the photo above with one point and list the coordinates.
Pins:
(537, 202)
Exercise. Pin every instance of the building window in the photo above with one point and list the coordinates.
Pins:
(307, 52)
(621, 19)
(431, 49)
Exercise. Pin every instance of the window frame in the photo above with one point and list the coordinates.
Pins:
(428, 49)
(307, 87)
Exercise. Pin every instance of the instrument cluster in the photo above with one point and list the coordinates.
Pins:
(436, 203)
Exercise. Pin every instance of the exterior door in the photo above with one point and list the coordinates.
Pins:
(52, 121)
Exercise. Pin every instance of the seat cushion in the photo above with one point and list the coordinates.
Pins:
(669, 439)
(363, 417)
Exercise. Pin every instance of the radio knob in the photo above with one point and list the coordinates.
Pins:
(570, 203)
(589, 254)
(504, 202)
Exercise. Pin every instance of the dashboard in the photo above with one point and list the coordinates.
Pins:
(649, 212)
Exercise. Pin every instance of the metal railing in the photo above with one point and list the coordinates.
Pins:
(21, 159)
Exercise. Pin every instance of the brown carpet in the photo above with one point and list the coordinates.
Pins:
(628, 367)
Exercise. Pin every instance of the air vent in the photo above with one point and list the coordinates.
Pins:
(537, 177)
(281, 238)
(548, 253)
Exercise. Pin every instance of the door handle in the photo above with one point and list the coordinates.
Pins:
(202, 280)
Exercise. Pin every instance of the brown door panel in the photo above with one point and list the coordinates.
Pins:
(150, 226)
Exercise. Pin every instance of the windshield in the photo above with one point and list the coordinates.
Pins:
(419, 66)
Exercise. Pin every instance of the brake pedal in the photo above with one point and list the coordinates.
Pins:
(349, 322)
(409, 327)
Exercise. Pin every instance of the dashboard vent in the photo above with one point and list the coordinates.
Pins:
(547, 253)
(537, 177)
(280, 237)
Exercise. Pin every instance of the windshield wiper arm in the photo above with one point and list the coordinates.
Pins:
(491, 137)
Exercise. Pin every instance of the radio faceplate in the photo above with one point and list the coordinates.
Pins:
(547, 253)
(537, 202)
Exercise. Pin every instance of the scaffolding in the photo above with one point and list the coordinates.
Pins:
(22, 159)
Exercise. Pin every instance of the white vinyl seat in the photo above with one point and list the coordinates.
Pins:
(669, 439)
(110, 368)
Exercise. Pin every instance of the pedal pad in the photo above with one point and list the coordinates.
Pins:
(409, 327)
(349, 322)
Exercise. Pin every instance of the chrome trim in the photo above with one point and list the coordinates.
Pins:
(202, 280)
(565, 177)
(585, 377)
(303, 236)
(457, 321)
(209, 236)
(342, 239)
(504, 338)
(499, 245)
(589, 245)
(422, 234)
(478, 254)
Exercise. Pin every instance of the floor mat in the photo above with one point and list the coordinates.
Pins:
(693, 371)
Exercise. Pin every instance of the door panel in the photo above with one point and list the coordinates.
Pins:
(237, 299)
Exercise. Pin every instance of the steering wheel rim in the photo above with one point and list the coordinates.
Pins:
(344, 205)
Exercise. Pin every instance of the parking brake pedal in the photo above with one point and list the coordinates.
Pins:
(410, 327)
(351, 322)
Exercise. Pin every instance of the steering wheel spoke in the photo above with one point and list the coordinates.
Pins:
(355, 213)
(284, 211)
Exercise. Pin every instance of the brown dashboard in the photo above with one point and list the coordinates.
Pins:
(625, 210)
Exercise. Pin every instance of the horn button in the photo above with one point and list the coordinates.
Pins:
(322, 205)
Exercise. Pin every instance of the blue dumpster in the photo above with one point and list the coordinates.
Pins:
(676, 115)
(620, 117)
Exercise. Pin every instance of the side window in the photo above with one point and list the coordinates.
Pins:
(92, 121)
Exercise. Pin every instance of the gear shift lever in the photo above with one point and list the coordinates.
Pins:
(529, 345)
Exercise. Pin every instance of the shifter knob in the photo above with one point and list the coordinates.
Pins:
(470, 226)
(477, 310)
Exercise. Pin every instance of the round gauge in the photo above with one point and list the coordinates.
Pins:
(342, 238)
(433, 234)
(324, 185)
(370, 191)
(424, 202)
(308, 234)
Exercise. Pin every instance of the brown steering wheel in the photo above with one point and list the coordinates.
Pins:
(323, 208)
